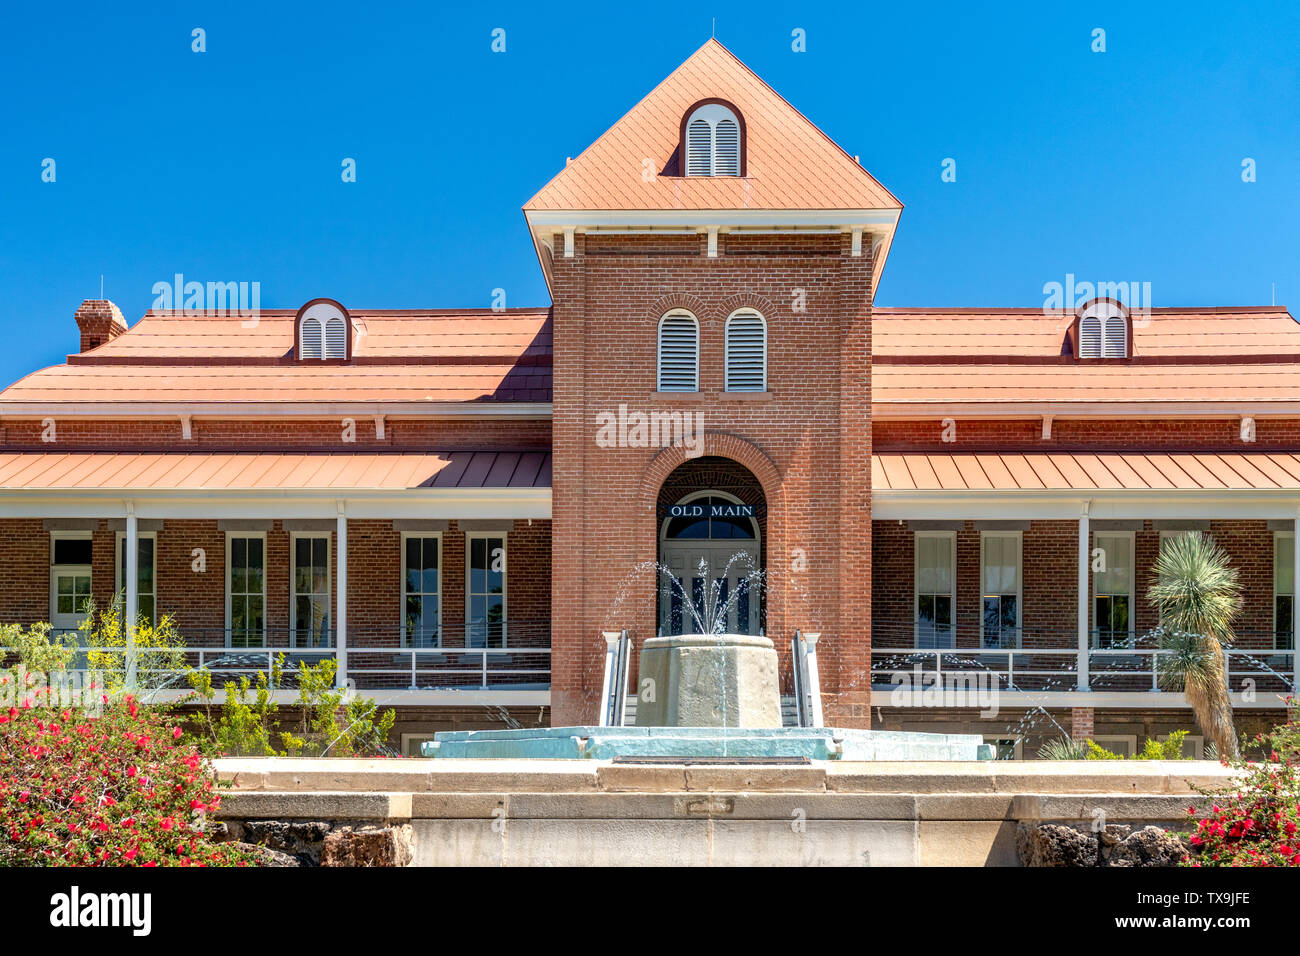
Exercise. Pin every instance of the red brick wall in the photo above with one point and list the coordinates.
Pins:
(244, 435)
(807, 442)
(1067, 434)
(1049, 557)
(197, 600)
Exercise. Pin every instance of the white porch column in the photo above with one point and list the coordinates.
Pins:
(341, 602)
(1085, 563)
(132, 591)
(1295, 607)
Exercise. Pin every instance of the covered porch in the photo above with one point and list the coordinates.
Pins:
(1026, 574)
(424, 577)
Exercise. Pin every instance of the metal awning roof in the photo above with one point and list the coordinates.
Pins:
(240, 471)
(1084, 471)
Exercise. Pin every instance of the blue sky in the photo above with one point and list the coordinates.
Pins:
(225, 165)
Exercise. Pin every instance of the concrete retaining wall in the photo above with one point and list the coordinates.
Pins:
(518, 813)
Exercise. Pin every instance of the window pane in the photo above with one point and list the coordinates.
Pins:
(238, 553)
(943, 609)
(1118, 577)
(1008, 603)
(412, 560)
(1283, 564)
(430, 553)
(72, 551)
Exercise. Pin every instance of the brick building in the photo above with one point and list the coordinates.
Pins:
(456, 504)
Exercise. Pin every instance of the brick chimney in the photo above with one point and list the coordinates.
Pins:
(99, 320)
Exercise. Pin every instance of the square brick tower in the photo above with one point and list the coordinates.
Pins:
(711, 262)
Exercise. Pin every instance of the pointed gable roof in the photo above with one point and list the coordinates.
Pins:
(791, 163)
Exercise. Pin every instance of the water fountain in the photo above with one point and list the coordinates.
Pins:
(709, 694)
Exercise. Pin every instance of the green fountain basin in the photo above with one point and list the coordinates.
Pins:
(608, 743)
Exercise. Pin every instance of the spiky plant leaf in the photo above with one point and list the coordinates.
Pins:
(1198, 594)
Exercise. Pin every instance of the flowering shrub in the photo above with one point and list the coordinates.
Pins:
(119, 789)
(1259, 823)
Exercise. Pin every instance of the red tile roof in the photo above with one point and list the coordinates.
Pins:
(410, 357)
(134, 471)
(1128, 471)
(791, 163)
(931, 359)
(1032, 332)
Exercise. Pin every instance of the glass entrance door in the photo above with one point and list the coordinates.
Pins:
(707, 589)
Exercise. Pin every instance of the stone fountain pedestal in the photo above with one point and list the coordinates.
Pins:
(708, 680)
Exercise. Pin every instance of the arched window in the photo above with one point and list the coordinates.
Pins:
(1103, 330)
(679, 352)
(714, 140)
(336, 338)
(309, 347)
(746, 348)
(324, 331)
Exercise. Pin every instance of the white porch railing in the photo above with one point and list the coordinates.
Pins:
(1134, 669)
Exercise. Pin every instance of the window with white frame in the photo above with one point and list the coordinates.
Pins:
(679, 352)
(1123, 744)
(1193, 746)
(1284, 591)
(70, 565)
(1000, 576)
(310, 607)
(246, 590)
(936, 597)
(713, 142)
(485, 590)
(1112, 589)
(422, 590)
(746, 348)
(146, 574)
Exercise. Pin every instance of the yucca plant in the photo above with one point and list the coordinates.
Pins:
(1063, 748)
(1198, 595)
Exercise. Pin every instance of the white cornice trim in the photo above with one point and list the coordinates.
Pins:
(926, 411)
(211, 503)
(133, 411)
(580, 218)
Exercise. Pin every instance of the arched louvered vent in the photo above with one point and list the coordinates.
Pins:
(746, 352)
(310, 345)
(1090, 337)
(679, 352)
(1115, 344)
(336, 338)
(699, 148)
(324, 331)
(714, 141)
(726, 148)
